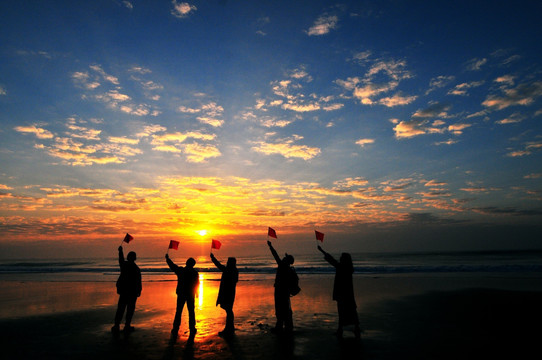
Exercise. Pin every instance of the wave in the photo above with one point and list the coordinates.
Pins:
(33, 268)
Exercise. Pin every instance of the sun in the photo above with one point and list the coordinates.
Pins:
(202, 232)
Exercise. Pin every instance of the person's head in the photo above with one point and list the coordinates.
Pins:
(231, 262)
(346, 259)
(131, 256)
(288, 259)
(190, 262)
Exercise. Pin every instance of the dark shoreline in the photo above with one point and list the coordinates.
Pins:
(475, 323)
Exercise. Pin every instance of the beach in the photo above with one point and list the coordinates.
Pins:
(413, 316)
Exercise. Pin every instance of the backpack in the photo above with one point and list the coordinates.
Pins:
(293, 283)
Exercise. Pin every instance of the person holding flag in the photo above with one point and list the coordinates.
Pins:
(283, 278)
(226, 291)
(128, 287)
(343, 291)
(187, 284)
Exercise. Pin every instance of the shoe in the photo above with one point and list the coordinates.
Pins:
(115, 329)
(128, 328)
(226, 333)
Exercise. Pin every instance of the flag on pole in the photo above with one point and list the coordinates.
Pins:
(173, 245)
(215, 244)
(319, 235)
(128, 238)
(271, 232)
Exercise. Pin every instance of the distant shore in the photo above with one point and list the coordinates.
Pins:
(412, 317)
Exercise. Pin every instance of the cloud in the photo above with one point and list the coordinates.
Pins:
(461, 89)
(365, 93)
(3, 90)
(123, 140)
(523, 95)
(476, 64)
(82, 79)
(433, 110)
(446, 142)
(149, 130)
(363, 142)
(40, 133)
(408, 129)
(529, 148)
(198, 153)
(287, 148)
(434, 183)
(382, 76)
(439, 82)
(110, 78)
(397, 100)
(457, 129)
(323, 25)
(182, 10)
(128, 4)
(298, 106)
(332, 107)
(512, 119)
(210, 121)
(268, 121)
(210, 113)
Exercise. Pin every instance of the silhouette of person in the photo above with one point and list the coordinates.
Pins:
(128, 288)
(187, 284)
(343, 291)
(226, 291)
(283, 308)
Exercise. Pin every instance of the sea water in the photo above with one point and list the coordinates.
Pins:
(370, 264)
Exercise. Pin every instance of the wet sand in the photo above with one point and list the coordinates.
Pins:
(408, 316)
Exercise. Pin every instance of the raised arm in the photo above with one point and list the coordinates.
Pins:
(121, 256)
(171, 264)
(217, 263)
(330, 259)
(274, 252)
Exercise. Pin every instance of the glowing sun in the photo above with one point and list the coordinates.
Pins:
(202, 232)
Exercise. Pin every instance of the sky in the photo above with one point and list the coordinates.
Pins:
(386, 125)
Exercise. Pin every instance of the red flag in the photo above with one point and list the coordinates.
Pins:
(215, 244)
(319, 235)
(272, 233)
(128, 238)
(173, 245)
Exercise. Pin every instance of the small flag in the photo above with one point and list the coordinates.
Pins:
(319, 235)
(128, 238)
(215, 244)
(173, 245)
(271, 232)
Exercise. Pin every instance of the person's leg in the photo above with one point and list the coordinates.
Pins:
(279, 312)
(340, 311)
(178, 312)
(229, 319)
(120, 312)
(288, 318)
(130, 308)
(191, 315)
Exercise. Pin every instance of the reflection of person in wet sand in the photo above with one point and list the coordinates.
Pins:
(283, 308)
(226, 292)
(343, 291)
(128, 288)
(187, 284)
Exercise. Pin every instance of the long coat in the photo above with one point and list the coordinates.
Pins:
(228, 283)
(129, 281)
(187, 280)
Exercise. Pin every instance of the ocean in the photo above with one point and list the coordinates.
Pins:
(368, 264)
